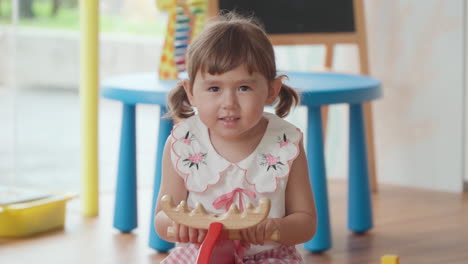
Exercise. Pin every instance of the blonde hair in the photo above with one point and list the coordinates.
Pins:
(227, 42)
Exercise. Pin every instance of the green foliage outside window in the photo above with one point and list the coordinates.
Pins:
(65, 15)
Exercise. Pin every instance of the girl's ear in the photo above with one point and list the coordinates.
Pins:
(188, 91)
(274, 89)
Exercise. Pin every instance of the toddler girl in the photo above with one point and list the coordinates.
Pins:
(230, 151)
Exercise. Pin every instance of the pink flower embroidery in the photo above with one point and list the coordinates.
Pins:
(271, 161)
(195, 159)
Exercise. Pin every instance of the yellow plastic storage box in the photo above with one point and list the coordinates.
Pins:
(28, 218)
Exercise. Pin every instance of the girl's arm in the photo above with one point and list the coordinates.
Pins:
(172, 184)
(300, 222)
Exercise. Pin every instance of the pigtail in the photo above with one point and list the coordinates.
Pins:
(178, 106)
(288, 98)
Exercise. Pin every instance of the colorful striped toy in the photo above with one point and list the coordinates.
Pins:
(186, 19)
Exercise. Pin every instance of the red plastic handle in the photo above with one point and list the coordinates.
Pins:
(204, 254)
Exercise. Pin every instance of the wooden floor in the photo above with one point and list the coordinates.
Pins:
(422, 227)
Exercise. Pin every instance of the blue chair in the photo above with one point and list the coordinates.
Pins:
(317, 89)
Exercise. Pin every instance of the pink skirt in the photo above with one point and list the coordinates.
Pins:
(187, 254)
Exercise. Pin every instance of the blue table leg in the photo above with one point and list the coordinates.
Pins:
(359, 200)
(125, 211)
(165, 127)
(316, 161)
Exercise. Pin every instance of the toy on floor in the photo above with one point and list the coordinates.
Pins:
(232, 222)
(390, 259)
(25, 212)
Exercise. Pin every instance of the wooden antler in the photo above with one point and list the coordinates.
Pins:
(233, 220)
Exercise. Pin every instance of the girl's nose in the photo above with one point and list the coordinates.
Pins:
(230, 100)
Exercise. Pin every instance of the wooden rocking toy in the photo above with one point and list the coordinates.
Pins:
(232, 222)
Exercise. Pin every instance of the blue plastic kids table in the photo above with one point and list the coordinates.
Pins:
(317, 89)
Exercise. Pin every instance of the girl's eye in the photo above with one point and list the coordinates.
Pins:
(213, 89)
(244, 88)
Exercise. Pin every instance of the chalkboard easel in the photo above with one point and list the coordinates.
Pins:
(301, 22)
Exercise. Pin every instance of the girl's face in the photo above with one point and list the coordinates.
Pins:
(231, 104)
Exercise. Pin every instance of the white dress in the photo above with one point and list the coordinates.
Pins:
(217, 183)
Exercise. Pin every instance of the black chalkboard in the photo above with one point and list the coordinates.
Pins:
(297, 16)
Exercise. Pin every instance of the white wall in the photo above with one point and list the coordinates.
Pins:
(416, 49)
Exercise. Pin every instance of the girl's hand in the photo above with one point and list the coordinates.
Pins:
(187, 234)
(262, 232)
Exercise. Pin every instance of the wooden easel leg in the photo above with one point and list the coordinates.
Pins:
(324, 121)
(329, 52)
(370, 146)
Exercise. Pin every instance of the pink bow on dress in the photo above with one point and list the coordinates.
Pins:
(227, 199)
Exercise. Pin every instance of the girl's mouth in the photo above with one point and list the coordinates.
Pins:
(229, 121)
(229, 118)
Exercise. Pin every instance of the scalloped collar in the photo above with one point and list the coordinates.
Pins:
(197, 161)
